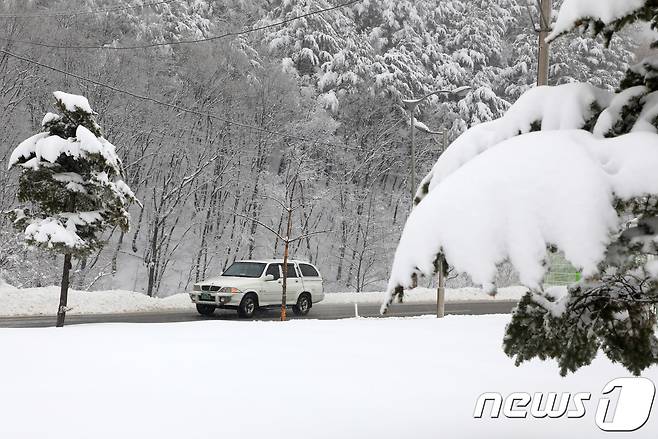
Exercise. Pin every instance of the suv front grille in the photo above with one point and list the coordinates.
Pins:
(209, 288)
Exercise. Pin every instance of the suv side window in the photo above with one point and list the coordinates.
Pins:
(291, 271)
(308, 270)
(273, 269)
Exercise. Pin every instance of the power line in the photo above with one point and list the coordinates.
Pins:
(180, 42)
(74, 14)
(165, 104)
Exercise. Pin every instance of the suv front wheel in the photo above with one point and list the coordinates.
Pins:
(248, 306)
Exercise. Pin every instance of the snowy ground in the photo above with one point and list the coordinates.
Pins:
(355, 378)
(43, 301)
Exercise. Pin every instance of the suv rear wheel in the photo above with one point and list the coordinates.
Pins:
(248, 306)
(303, 305)
(205, 310)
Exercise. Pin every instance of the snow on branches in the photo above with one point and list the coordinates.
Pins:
(482, 192)
(526, 195)
(71, 180)
(568, 106)
(601, 16)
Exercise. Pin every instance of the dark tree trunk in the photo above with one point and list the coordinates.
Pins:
(150, 288)
(64, 292)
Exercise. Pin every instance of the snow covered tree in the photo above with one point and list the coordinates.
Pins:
(614, 308)
(600, 209)
(71, 182)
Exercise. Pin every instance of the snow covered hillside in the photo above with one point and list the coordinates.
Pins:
(368, 378)
(43, 301)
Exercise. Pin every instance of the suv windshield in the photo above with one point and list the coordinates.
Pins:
(244, 269)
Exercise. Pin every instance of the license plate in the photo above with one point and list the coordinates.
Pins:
(207, 297)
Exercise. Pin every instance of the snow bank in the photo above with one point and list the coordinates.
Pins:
(512, 201)
(563, 107)
(44, 301)
(606, 11)
(358, 378)
(424, 295)
(5, 286)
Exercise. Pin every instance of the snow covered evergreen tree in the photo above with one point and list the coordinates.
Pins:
(71, 182)
(614, 309)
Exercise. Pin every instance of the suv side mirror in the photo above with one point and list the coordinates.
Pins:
(269, 277)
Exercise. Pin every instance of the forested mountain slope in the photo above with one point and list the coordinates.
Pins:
(318, 97)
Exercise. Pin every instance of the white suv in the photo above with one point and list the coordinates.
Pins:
(248, 285)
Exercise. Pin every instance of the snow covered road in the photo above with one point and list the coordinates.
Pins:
(356, 378)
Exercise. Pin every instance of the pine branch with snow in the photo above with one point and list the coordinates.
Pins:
(603, 17)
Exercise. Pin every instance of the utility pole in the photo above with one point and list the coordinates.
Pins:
(545, 13)
(284, 268)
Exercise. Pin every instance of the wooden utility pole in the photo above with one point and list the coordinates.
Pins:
(545, 12)
(284, 268)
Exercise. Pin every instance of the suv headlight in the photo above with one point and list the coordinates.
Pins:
(196, 287)
(230, 290)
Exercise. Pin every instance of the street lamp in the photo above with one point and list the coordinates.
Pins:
(411, 105)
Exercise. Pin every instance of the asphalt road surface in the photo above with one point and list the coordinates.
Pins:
(319, 311)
